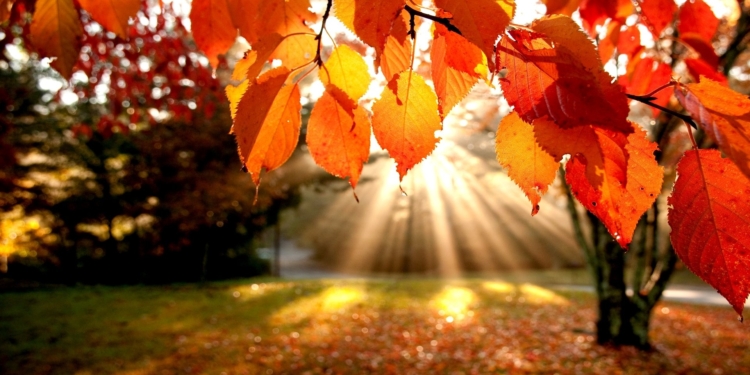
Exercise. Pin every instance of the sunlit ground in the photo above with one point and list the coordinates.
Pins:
(352, 327)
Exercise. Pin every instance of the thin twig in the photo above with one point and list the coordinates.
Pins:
(649, 101)
(318, 60)
(443, 21)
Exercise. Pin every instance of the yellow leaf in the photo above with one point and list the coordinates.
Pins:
(405, 120)
(347, 70)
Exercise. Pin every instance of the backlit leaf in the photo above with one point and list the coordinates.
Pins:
(704, 48)
(396, 55)
(267, 123)
(647, 76)
(338, 136)
(369, 20)
(657, 14)
(698, 68)
(213, 29)
(724, 114)
(347, 70)
(480, 21)
(405, 120)
(697, 17)
(244, 15)
(285, 17)
(56, 32)
(709, 215)
(528, 165)
(619, 206)
(566, 7)
(457, 65)
(113, 15)
(546, 81)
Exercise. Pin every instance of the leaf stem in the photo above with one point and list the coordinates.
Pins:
(443, 21)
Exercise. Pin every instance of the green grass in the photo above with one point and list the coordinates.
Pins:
(397, 326)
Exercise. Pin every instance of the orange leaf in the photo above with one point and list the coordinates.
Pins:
(619, 206)
(213, 30)
(629, 41)
(610, 40)
(405, 120)
(112, 15)
(646, 77)
(566, 7)
(396, 55)
(267, 123)
(338, 136)
(370, 20)
(457, 65)
(285, 17)
(244, 15)
(657, 14)
(56, 32)
(546, 81)
(248, 68)
(603, 152)
(724, 114)
(528, 165)
(480, 21)
(697, 17)
(709, 215)
(347, 70)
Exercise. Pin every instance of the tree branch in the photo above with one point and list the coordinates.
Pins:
(443, 21)
(318, 60)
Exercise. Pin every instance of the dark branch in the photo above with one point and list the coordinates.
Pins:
(649, 101)
(443, 21)
(318, 60)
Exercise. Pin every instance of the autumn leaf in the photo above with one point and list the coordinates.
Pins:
(213, 29)
(56, 33)
(647, 76)
(698, 68)
(244, 14)
(724, 114)
(619, 206)
(566, 7)
(338, 136)
(369, 20)
(697, 17)
(657, 14)
(480, 21)
(287, 17)
(396, 55)
(267, 122)
(405, 120)
(457, 65)
(528, 165)
(709, 215)
(112, 15)
(703, 48)
(595, 13)
(546, 81)
(346, 70)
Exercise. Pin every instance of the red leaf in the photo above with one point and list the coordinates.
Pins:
(657, 14)
(698, 68)
(697, 17)
(647, 76)
(709, 215)
(556, 82)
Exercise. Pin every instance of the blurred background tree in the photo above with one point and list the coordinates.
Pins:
(126, 176)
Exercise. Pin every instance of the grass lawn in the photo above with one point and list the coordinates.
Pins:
(410, 326)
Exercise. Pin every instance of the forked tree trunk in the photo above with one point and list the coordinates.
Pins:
(623, 315)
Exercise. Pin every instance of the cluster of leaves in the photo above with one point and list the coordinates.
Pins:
(550, 72)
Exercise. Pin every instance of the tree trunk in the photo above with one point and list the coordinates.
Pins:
(624, 316)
